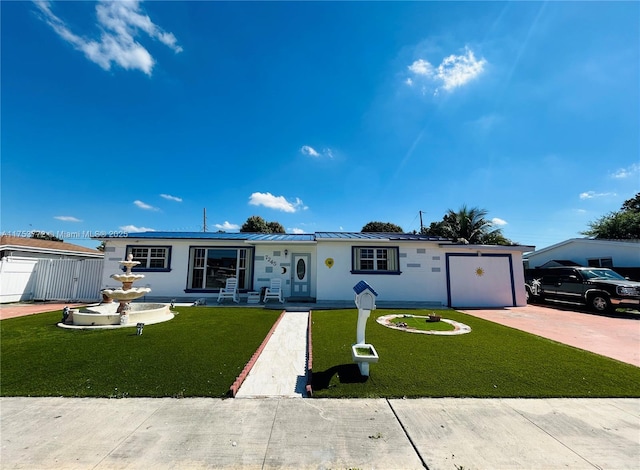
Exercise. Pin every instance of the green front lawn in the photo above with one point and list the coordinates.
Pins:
(491, 361)
(202, 351)
(198, 353)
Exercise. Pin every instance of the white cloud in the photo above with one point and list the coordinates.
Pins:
(497, 221)
(171, 198)
(628, 172)
(145, 206)
(134, 229)
(310, 151)
(422, 67)
(295, 230)
(120, 23)
(593, 194)
(276, 202)
(227, 226)
(67, 218)
(454, 71)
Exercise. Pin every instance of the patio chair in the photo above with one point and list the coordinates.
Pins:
(229, 291)
(274, 291)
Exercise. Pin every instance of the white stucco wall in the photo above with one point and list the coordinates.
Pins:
(422, 267)
(270, 259)
(623, 254)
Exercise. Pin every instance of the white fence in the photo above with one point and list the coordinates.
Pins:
(50, 279)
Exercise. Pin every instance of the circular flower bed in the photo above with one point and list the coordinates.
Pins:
(458, 328)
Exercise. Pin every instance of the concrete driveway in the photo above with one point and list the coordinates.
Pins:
(616, 335)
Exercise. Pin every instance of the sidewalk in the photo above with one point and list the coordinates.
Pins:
(285, 433)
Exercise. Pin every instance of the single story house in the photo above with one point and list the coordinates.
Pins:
(622, 256)
(35, 269)
(323, 266)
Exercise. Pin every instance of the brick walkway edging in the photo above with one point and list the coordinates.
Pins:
(309, 357)
(233, 390)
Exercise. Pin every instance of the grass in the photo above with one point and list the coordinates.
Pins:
(198, 353)
(491, 361)
(202, 350)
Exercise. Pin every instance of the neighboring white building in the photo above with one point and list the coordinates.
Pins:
(34, 269)
(588, 252)
(24, 247)
(324, 266)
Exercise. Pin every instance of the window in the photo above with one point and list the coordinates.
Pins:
(210, 267)
(600, 263)
(151, 258)
(375, 260)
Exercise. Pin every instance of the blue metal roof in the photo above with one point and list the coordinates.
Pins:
(376, 236)
(275, 237)
(282, 237)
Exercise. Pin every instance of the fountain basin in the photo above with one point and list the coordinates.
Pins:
(127, 277)
(103, 315)
(125, 295)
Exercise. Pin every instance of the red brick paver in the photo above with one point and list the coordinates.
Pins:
(21, 310)
(615, 337)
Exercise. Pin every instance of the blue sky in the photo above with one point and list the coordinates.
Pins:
(322, 116)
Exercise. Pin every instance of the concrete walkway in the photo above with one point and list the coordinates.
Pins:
(281, 369)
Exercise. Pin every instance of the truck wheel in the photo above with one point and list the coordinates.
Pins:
(600, 303)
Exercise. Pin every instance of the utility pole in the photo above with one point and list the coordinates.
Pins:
(421, 226)
(204, 219)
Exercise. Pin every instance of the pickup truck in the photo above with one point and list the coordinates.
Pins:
(600, 289)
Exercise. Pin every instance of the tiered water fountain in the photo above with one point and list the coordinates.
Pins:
(124, 312)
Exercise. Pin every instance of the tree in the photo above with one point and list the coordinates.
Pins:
(467, 226)
(620, 225)
(275, 227)
(45, 236)
(385, 227)
(256, 224)
(101, 246)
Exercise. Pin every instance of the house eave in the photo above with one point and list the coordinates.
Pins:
(50, 251)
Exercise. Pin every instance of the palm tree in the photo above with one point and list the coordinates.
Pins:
(468, 226)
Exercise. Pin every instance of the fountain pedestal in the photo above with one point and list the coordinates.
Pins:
(128, 292)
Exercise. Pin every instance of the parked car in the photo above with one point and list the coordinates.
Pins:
(600, 289)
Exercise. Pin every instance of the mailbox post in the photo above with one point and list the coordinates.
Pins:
(363, 353)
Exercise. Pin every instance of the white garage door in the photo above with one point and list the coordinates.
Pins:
(480, 281)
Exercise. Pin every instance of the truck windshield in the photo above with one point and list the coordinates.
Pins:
(602, 274)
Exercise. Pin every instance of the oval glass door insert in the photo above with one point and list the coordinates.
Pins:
(301, 269)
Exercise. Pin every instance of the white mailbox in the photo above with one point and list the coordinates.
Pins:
(365, 296)
(362, 352)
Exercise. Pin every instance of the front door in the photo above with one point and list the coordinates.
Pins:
(300, 275)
